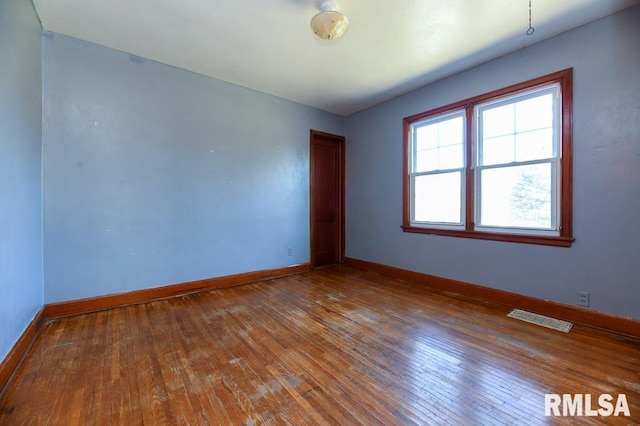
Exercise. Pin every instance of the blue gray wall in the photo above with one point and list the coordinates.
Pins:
(155, 175)
(605, 258)
(21, 292)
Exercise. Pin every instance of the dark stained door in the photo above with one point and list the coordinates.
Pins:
(327, 198)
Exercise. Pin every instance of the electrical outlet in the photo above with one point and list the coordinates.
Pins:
(290, 251)
(583, 299)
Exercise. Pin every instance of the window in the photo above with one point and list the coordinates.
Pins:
(497, 166)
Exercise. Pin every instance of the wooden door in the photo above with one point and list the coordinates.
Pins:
(327, 198)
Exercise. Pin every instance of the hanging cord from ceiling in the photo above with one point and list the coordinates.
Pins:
(530, 30)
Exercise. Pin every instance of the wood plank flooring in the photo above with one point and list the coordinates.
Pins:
(334, 346)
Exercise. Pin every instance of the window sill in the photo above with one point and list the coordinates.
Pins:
(494, 236)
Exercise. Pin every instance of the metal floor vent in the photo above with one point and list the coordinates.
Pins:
(542, 320)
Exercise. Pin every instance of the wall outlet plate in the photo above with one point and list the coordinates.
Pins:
(583, 299)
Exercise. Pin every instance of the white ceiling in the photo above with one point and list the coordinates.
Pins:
(391, 47)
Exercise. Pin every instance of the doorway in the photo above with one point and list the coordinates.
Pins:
(327, 189)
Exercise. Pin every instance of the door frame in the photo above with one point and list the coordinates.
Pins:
(340, 140)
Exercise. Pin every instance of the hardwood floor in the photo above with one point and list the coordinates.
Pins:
(334, 346)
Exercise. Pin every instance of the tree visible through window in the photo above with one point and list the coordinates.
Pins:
(497, 166)
(530, 199)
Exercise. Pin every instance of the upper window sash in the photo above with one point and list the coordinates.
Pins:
(437, 143)
(520, 125)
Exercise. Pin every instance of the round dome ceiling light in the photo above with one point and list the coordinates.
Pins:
(329, 24)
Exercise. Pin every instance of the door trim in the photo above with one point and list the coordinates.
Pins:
(340, 140)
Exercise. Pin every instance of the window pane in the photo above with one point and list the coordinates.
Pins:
(439, 145)
(450, 131)
(534, 145)
(426, 160)
(450, 157)
(498, 150)
(426, 137)
(437, 198)
(497, 121)
(535, 113)
(516, 196)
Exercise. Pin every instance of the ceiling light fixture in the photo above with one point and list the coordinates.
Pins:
(329, 24)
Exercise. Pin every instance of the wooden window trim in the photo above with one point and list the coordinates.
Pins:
(565, 238)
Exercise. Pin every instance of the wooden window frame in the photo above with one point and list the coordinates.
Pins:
(565, 238)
